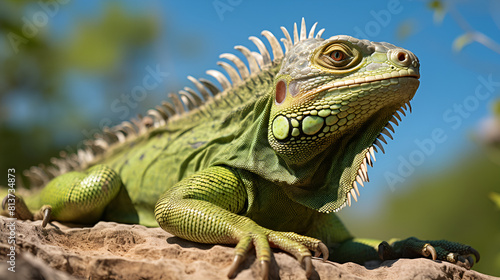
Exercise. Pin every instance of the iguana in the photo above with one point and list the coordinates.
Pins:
(264, 162)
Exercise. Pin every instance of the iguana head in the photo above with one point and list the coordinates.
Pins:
(332, 100)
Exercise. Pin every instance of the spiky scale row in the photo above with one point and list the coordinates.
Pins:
(186, 100)
(370, 153)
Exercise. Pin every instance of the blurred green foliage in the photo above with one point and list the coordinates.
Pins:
(495, 197)
(37, 59)
(101, 45)
(439, 10)
(442, 8)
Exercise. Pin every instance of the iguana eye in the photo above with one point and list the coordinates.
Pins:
(338, 55)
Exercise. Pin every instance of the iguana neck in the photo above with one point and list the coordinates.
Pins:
(316, 183)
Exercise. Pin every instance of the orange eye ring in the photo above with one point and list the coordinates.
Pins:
(337, 55)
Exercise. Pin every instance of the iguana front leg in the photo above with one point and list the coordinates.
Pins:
(78, 197)
(204, 208)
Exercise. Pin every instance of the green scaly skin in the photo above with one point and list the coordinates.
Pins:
(265, 164)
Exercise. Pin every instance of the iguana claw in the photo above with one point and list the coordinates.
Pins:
(475, 253)
(322, 250)
(381, 250)
(238, 259)
(470, 261)
(46, 215)
(265, 269)
(308, 266)
(429, 250)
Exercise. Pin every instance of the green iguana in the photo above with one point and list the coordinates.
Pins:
(264, 162)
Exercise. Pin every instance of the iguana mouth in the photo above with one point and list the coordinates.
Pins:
(339, 85)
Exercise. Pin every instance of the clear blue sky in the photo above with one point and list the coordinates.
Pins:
(447, 105)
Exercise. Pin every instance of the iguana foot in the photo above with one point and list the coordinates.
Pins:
(443, 250)
(297, 245)
(78, 197)
(15, 207)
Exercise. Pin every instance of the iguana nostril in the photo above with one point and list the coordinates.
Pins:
(402, 56)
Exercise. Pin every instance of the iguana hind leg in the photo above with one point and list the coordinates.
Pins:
(361, 250)
(78, 197)
(442, 250)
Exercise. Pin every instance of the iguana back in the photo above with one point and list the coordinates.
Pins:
(151, 163)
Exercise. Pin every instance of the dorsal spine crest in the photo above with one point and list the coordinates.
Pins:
(181, 103)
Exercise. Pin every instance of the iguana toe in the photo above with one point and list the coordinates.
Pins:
(461, 260)
(386, 252)
(299, 246)
(295, 244)
(456, 253)
(470, 261)
(19, 209)
(241, 250)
